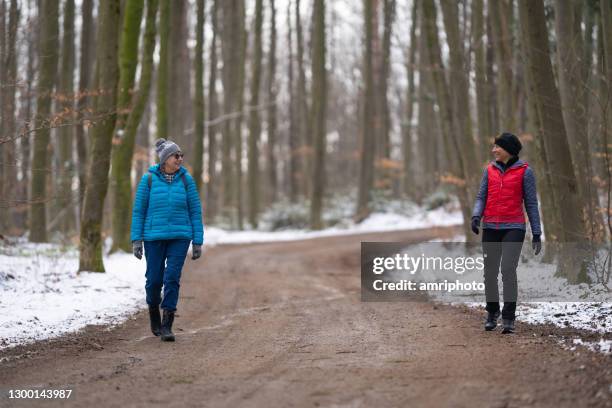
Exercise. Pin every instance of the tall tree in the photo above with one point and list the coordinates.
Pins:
(304, 124)
(450, 124)
(385, 63)
(133, 106)
(407, 131)
(107, 78)
(48, 58)
(254, 122)
(485, 133)
(65, 134)
(9, 78)
(319, 109)
(128, 61)
(500, 15)
(231, 50)
(459, 77)
(199, 96)
(573, 87)
(606, 93)
(3, 214)
(366, 171)
(211, 186)
(180, 105)
(294, 137)
(85, 83)
(547, 104)
(162, 69)
(238, 121)
(27, 106)
(271, 150)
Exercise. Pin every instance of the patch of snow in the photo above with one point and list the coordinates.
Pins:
(44, 297)
(376, 222)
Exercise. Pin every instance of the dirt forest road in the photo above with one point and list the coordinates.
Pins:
(282, 325)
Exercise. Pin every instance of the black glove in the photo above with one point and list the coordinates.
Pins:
(475, 224)
(137, 249)
(536, 244)
(196, 251)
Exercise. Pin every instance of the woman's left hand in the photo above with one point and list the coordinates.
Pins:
(196, 251)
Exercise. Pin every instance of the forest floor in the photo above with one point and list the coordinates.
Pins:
(282, 324)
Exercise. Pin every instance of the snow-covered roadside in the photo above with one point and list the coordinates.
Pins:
(376, 222)
(544, 297)
(42, 296)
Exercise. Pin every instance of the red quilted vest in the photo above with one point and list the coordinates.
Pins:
(505, 195)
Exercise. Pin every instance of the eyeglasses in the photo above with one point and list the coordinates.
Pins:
(178, 156)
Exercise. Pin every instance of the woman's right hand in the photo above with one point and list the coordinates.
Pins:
(137, 249)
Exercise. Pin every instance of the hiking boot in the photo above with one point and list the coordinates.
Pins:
(155, 319)
(166, 326)
(508, 326)
(491, 322)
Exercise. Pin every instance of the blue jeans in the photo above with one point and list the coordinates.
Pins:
(165, 259)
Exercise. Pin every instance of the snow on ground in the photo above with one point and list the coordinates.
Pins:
(374, 223)
(42, 296)
(543, 297)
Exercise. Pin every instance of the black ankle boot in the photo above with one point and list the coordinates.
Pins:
(166, 326)
(508, 326)
(155, 319)
(491, 322)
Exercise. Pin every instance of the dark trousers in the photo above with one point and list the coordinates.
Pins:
(165, 259)
(501, 247)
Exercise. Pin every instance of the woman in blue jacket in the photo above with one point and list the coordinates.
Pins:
(167, 216)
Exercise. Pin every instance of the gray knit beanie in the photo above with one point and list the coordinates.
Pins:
(165, 148)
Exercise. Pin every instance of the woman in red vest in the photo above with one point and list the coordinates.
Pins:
(507, 184)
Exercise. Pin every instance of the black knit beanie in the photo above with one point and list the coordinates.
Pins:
(509, 143)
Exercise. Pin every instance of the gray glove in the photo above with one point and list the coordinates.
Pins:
(196, 251)
(137, 249)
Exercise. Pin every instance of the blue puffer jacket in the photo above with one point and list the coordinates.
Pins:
(167, 210)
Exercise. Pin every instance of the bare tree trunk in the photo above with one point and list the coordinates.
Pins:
(107, 73)
(238, 187)
(65, 135)
(163, 69)
(211, 186)
(319, 108)
(180, 104)
(272, 91)
(9, 165)
(254, 122)
(606, 98)
(500, 15)
(135, 102)
(304, 121)
(572, 87)
(48, 57)
(385, 63)
(451, 127)
(294, 136)
(85, 84)
(426, 120)
(3, 214)
(367, 150)
(231, 49)
(408, 178)
(485, 133)
(27, 102)
(199, 106)
(547, 102)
